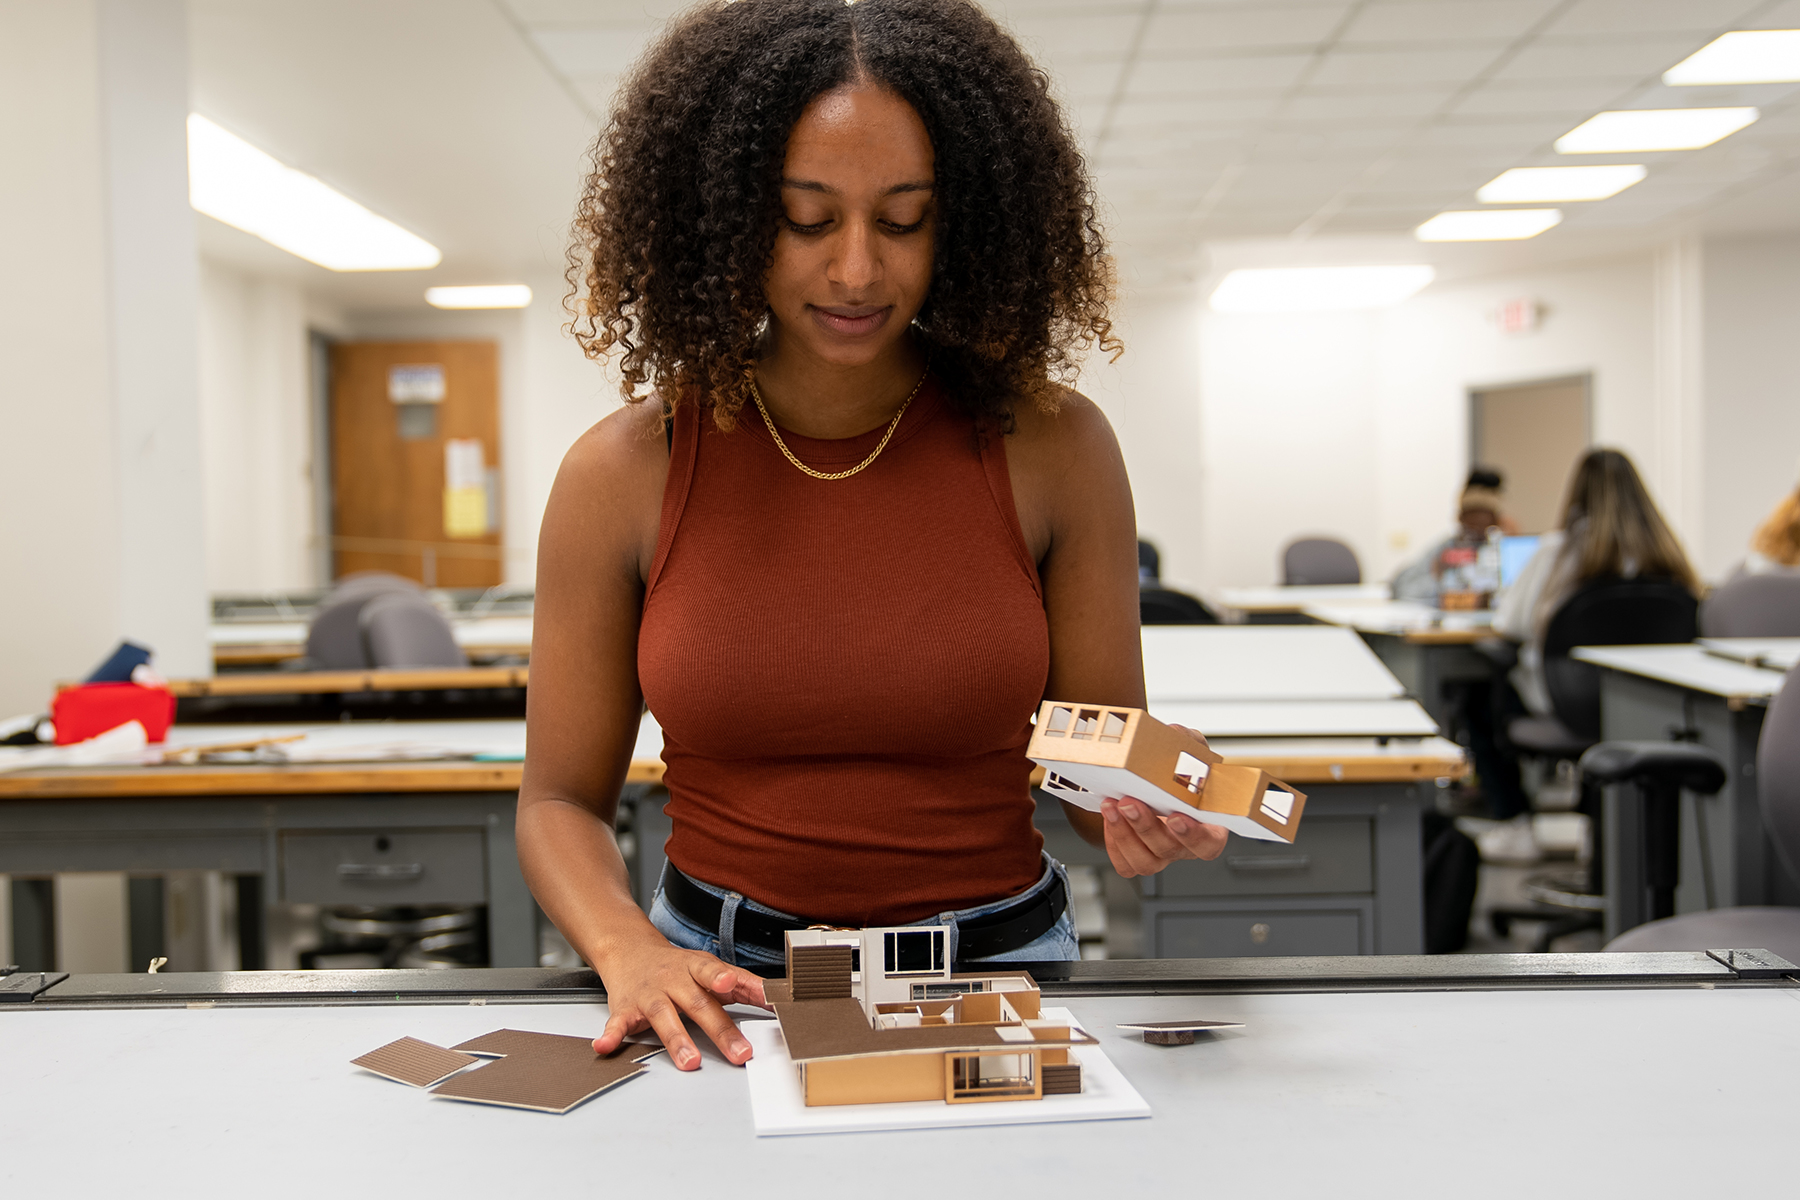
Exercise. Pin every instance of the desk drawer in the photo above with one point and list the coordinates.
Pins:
(374, 867)
(1254, 934)
(1332, 855)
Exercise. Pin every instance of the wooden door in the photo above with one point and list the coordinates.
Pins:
(1533, 434)
(415, 450)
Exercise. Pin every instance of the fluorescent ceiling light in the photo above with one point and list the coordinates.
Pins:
(1488, 225)
(1524, 185)
(232, 181)
(492, 295)
(1634, 131)
(1747, 56)
(1317, 289)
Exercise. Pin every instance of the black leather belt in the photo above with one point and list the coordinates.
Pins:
(997, 933)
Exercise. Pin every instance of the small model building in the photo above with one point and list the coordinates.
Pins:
(1093, 752)
(874, 1016)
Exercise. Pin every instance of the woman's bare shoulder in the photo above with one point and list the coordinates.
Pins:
(625, 443)
(1075, 435)
(607, 500)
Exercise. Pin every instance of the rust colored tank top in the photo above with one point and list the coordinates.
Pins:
(845, 671)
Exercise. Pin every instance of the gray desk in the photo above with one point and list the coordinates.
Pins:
(1368, 1077)
(1662, 693)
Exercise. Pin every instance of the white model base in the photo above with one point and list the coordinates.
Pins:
(1116, 783)
(778, 1104)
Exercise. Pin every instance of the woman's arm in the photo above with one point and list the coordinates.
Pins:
(583, 707)
(1074, 502)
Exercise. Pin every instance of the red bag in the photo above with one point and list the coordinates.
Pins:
(80, 713)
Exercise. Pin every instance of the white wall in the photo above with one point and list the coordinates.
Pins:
(257, 433)
(1752, 388)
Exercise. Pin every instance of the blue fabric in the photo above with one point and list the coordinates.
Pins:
(1058, 944)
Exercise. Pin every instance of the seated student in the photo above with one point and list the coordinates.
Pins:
(1477, 511)
(1610, 528)
(1775, 547)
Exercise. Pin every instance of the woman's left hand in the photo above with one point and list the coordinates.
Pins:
(1140, 842)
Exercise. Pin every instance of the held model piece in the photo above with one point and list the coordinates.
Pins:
(1093, 752)
(874, 1016)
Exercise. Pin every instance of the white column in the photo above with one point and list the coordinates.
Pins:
(1676, 475)
(154, 304)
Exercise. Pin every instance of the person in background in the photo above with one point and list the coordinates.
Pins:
(1775, 547)
(1478, 510)
(1610, 528)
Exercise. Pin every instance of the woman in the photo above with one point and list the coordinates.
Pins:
(1477, 511)
(1775, 547)
(859, 533)
(1610, 529)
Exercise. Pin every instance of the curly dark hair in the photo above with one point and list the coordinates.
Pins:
(676, 227)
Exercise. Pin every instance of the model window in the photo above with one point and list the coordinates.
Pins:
(1278, 805)
(1059, 722)
(1190, 772)
(1054, 782)
(1112, 728)
(1086, 721)
(910, 953)
(991, 1076)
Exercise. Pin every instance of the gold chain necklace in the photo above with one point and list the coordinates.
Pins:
(873, 454)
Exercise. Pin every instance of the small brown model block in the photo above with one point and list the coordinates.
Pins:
(1093, 752)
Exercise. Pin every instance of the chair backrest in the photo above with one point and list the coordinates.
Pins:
(1609, 612)
(404, 629)
(334, 638)
(1753, 606)
(1319, 561)
(1149, 562)
(1163, 606)
(1778, 772)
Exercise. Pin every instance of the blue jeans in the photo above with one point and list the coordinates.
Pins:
(1058, 944)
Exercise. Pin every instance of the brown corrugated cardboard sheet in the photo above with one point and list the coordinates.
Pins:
(409, 1060)
(548, 1072)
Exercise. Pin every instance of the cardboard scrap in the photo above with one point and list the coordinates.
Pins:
(548, 1072)
(409, 1060)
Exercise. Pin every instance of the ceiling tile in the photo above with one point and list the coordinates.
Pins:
(1597, 58)
(1647, 16)
(600, 50)
(1209, 110)
(1343, 105)
(1094, 35)
(1402, 67)
(1189, 30)
(1079, 82)
(1188, 76)
(591, 12)
(1445, 20)
(1785, 15)
(1576, 101)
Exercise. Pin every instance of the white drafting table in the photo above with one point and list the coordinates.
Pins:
(494, 634)
(1778, 654)
(1237, 603)
(1300, 718)
(1273, 662)
(1686, 1090)
(1686, 666)
(1653, 693)
(1398, 616)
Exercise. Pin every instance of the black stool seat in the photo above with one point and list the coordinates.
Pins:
(1688, 767)
(1546, 736)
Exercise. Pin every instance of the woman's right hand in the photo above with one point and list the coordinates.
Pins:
(651, 984)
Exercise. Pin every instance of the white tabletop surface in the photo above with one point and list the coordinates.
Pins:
(1293, 599)
(1688, 666)
(469, 631)
(1299, 718)
(1261, 662)
(1778, 654)
(1327, 749)
(1392, 1095)
(1397, 616)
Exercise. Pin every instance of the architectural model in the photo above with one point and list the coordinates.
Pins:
(874, 1016)
(1093, 752)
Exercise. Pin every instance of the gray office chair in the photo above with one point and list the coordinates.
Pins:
(404, 629)
(1166, 606)
(1760, 606)
(334, 637)
(1778, 795)
(1319, 561)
